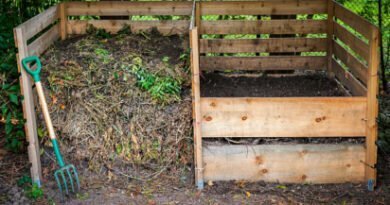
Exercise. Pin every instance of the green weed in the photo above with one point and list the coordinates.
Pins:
(32, 190)
(98, 32)
(103, 54)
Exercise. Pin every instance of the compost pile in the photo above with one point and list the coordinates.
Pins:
(121, 104)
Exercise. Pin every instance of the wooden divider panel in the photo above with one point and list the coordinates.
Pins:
(275, 45)
(295, 163)
(283, 117)
(287, 26)
(166, 27)
(42, 43)
(123, 8)
(263, 63)
(264, 7)
(356, 44)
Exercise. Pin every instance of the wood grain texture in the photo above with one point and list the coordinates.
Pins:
(264, 7)
(284, 117)
(274, 45)
(63, 20)
(287, 26)
(372, 107)
(125, 8)
(113, 26)
(355, 21)
(330, 36)
(41, 44)
(297, 163)
(357, 68)
(348, 80)
(194, 39)
(263, 63)
(352, 41)
(39, 22)
(30, 125)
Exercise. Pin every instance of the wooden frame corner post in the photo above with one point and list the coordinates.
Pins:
(194, 40)
(30, 126)
(63, 20)
(330, 32)
(372, 110)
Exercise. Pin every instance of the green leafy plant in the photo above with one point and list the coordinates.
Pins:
(163, 89)
(98, 32)
(32, 190)
(103, 54)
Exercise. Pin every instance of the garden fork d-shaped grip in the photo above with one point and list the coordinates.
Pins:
(27, 62)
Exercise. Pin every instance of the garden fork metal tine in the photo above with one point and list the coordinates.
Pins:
(76, 176)
(70, 178)
(58, 182)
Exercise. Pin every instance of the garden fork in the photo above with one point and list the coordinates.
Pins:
(66, 171)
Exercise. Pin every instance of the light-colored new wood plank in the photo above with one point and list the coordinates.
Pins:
(123, 8)
(372, 107)
(356, 44)
(41, 44)
(283, 117)
(273, 45)
(113, 26)
(263, 63)
(355, 21)
(348, 80)
(265, 7)
(30, 126)
(357, 68)
(194, 39)
(287, 26)
(295, 163)
(39, 22)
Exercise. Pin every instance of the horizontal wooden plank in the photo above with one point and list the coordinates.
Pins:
(295, 163)
(41, 44)
(264, 7)
(356, 44)
(263, 63)
(113, 26)
(357, 68)
(287, 26)
(355, 21)
(348, 80)
(283, 117)
(39, 22)
(262, 45)
(122, 8)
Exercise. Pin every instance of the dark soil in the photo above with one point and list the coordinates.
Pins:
(221, 85)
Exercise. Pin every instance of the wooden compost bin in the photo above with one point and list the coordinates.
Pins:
(350, 43)
(352, 116)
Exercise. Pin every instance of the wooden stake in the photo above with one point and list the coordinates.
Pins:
(28, 109)
(196, 107)
(63, 21)
(330, 33)
(372, 110)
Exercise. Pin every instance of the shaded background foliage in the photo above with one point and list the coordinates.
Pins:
(14, 12)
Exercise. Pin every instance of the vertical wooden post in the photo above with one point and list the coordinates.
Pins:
(198, 16)
(63, 21)
(330, 32)
(194, 38)
(372, 110)
(30, 126)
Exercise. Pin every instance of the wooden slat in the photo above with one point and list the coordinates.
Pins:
(283, 117)
(287, 26)
(295, 163)
(348, 80)
(353, 20)
(194, 39)
(274, 45)
(356, 44)
(372, 109)
(265, 7)
(123, 8)
(113, 26)
(263, 63)
(30, 125)
(39, 22)
(330, 36)
(40, 44)
(357, 68)
(63, 21)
